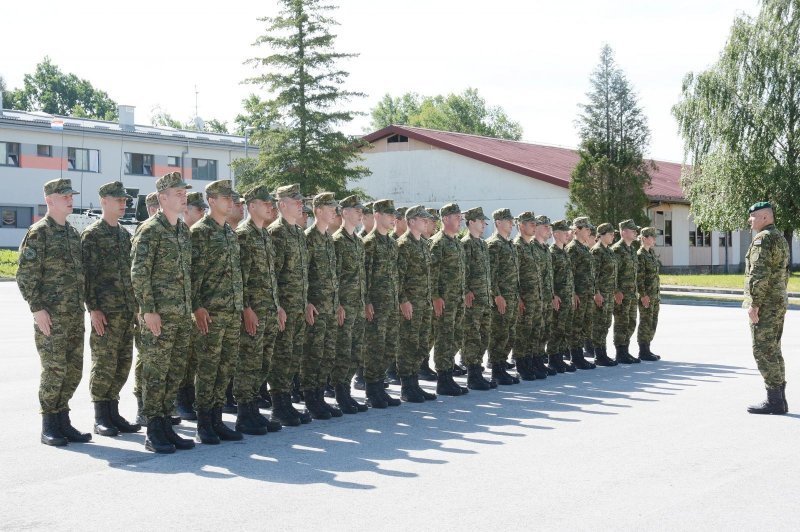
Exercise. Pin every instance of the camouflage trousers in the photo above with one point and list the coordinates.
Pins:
(216, 352)
(288, 352)
(380, 345)
(539, 328)
(448, 333)
(163, 362)
(580, 328)
(191, 365)
(648, 321)
(601, 320)
(624, 320)
(349, 346)
(477, 322)
(527, 320)
(254, 354)
(137, 365)
(540, 343)
(112, 355)
(766, 341)
(501, 333)
(413, 339)
(561, 319)
(319, 350)
(61, 357)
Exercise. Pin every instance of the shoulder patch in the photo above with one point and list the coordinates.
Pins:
(757, 242)
(29, 254)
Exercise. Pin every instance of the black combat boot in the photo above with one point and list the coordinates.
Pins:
(70, 432)
(317, 410)
(391, 374)
(271, 426)
(525, 368)
(588, 349)
(343, 399)
(102, 420)
(500, 374)
(205, 428)
(361, 407)
(246, 423)
(551, 370)
(602, 359)
(645, 353)
(428, 396)
(773, 405)
(358, 381)
(623, 357)
(156, 441)
(304, 415)
(557, 363)
(634, 360)
(282, 411)
(329, 390)
(295, 393)
(475, 380)
(334, 412)
(425, 372)
(173, 437)
(222, 429)
(183, 403)
(230, 402)
(459, 370)
(51, 432)
(141, 419)
(539, 368)
(464, 389)
(120, 422)
(375, 398)
(445, 385)
(409, 390)
(578, 361)
(569, 365)
(264, 399)
(391, 401)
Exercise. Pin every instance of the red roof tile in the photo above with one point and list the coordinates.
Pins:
(547, 163)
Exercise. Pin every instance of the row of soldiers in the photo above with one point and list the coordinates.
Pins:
(271, 301)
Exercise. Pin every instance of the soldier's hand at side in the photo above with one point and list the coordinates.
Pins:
(599, 300)
(752, 312)
(250, 319)
(500, 302)
(469, 297)
(556, 303)
(153, 322)
(646, 301)
(281, 319)
(369, 312)
(438, 306)
(202, 319)
(99, 321)
(311, 311)
(576, 301)
(42, 320)
(407, 309)
(340, 315)
(521, 307)
(618, 298)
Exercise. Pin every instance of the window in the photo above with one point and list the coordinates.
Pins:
(662, 221)
(699, 238)
(397, 138)
(138, 164)
(725, 239)
(9, 154)
(667, 232)
(44, 150)
(83, 160)
(204, 169)
(16, 217)
(174, 160)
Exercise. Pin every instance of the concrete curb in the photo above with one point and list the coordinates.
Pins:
(703, 290)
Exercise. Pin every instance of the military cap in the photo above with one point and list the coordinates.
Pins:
(59, 186)
(543, 220)
(171, 180)
(502, 214)
(758, 206)
(592, 230)
(400, 212)
(526, 216)
(418, 211)
(475, 213)
(308, 210)
(195, 199)
(351, 202)
(560, 225)
(648, 231)
(236, 197)
(223, 187)
(580, 222)
(324, 199)
(450, 208)
(115, 190)
(289, 191)
(368, 208)
(152, 200)
(605, 228)
(628, 224)
(385, 206)
(257, 192)
(434, 213)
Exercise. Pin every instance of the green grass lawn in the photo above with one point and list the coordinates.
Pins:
(8, 263)
(720, 281)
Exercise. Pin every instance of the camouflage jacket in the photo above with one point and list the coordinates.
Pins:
(161, 258)
(766, 269)
(477, 270)
(447, 267)
(50, 274)
(580, 259)
(257, 258)
(647, 280)
(563, 285)
(504, 267)
(291, 264)
(530, 279)
(323, 283)
(627, 265)
(605, 267)
(216, 270)
(414, 271)
(350, 269)
(545, 262)
(380, 261)
(106, 254)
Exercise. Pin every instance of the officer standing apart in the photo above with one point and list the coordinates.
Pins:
(625, 296)
(765, 278)
(605, 265)
(50, 278)
(649, 288)
(106, 250)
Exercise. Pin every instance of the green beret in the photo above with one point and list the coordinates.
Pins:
(560, 225)
(526, 216)
(542, 220)
(434, 213)
(649, 231)
(223, 187)
(324, 199)
(758, 206)
(400, 212)
(152, 200)
(385, 206)
(605, 228)
(450, 208)
(258, 192)
(502, 214)
(115, 190)
(580, 222)
(171, 180)
(59, 186)
(628, 224)
(351, 202)
(289, 191)
(475, 213)
(418, 211)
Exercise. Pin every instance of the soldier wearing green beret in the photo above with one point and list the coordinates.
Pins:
(161, 279)
(580, 259)
(649, 291)
(505, 293)
(765, 278)
(625, 296)
(564, 291)
(530, 293)
(106, 250)
(605, 264)
(51, 279)
(541, 327)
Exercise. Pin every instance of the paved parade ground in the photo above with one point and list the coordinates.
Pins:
(665, 445)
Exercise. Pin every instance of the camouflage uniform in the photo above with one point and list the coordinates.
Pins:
(530, 292)
(564, 288)
(478, 280)
(414, 286)
(648, 284)
(505, 282)
(580, 259)
(605, 264)
(625, 312)
(539, 335)
(151, 201)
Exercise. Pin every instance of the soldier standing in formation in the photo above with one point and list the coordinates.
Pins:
(542, 326)
(563, 303)
(648, 287)
(580, 260)
(625, 296)
(106, 249)
(605, 265)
